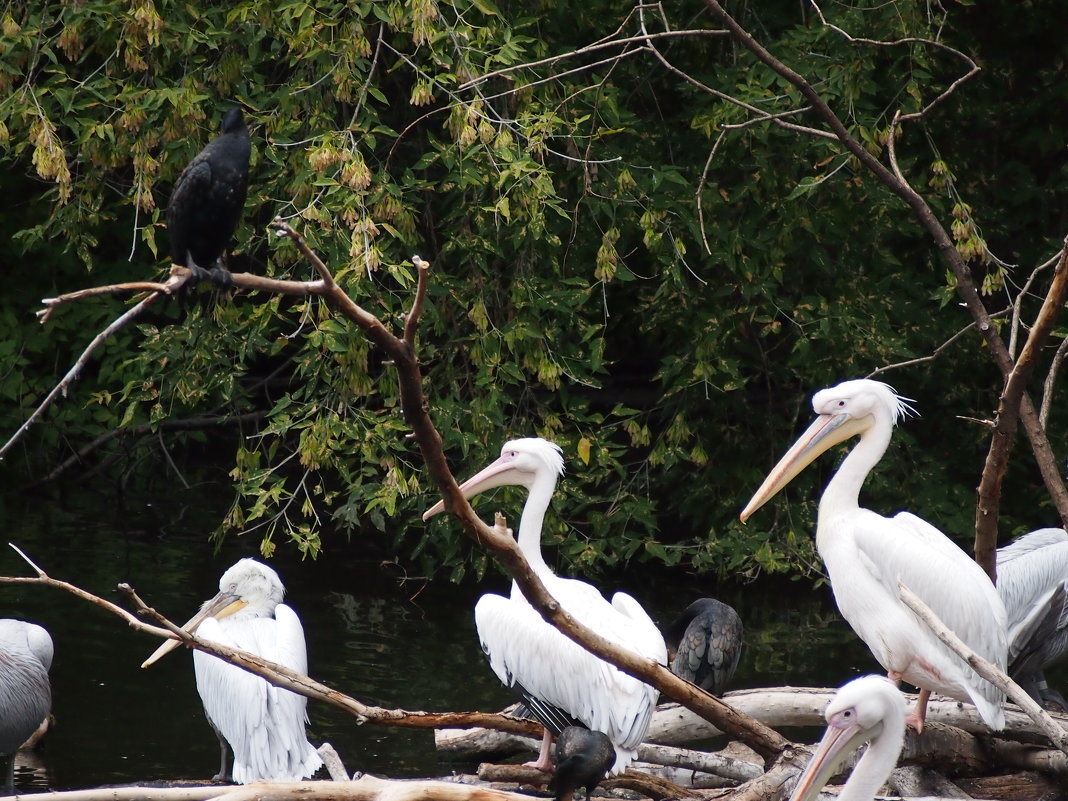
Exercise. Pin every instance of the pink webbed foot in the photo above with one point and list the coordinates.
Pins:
(544, 761)
(918, 714)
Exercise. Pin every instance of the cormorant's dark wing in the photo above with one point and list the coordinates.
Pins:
(707, 639)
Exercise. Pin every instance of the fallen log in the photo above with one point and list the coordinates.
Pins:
(775, 707)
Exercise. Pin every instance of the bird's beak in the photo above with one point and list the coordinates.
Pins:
(836, 745)
(494, 475)
(826, 431)
(221, 605)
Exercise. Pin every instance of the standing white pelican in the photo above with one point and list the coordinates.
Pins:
(25, 692)
(263, 724)
(1033, 585)
(866, 555)
(866, 710)
(531, 655)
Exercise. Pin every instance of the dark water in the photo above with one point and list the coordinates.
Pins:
(385, 641)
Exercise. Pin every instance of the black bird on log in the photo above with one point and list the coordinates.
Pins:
(583, 757)
(704, 643)
(207, 202)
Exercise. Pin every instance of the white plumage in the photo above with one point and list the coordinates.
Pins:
(528, 653)
(866, 710)
(1033, 584)
(866, 555)
(264, 725)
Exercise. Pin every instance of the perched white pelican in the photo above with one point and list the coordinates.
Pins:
(532, 656)
(866, 555)
(25, 692)
(263, 724)
(705, 642)
(866, 710)
(1033, 585)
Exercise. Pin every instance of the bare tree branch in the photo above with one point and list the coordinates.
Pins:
(973, 68)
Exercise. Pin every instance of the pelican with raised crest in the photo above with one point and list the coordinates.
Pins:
(560, 680)
(866, 555)
(262, 724)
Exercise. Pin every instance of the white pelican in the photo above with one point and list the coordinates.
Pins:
(706, 642)
(25, 692)
(532, 656)
(1033, 585)
(866, 710)
(263, 724)
(866, 555)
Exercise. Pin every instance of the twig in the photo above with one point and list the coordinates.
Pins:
(590, 48)
(176, 281)
(933, 354)
(1048, 384)
(411, 323)
(985, 669)
(973, 68)
(187, 424)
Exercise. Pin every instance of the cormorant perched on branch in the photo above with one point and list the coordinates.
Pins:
(208, 199)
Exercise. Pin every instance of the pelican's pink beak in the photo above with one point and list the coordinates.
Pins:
(497, 474)
(221, 605)
(841, 739)
(826, 431)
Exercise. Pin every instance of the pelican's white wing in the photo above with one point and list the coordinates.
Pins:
(865, 564)
(1029, 572)
(646, 636)
(523, 649)
(263, 724)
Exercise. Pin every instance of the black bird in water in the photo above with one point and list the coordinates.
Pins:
(25, 692)
(583, 756)
(208, 199)
(706, 641)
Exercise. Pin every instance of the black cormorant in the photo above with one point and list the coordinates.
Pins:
(208, 199)
(583, 757)
(706, 641)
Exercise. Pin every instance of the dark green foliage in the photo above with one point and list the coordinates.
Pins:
(598, 279)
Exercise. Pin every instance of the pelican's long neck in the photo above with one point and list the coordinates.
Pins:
(530, 523)
(874, 767)
(843, 490)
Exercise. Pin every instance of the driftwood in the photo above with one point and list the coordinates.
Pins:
(363, 788)
(775, 706)
(648, 784)
(953, 736)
